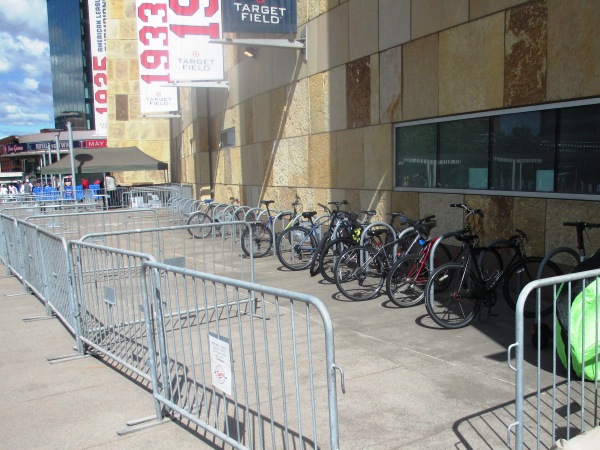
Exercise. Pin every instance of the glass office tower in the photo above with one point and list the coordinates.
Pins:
(71, 64)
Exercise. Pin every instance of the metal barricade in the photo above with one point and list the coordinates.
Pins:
(218, 253)
(551, 402)
(109, 296)
(261, 381)
(73, 226)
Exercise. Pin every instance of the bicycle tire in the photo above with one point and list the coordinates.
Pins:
(405, 283)
(359, 273)
(330, 255)
(262, 240)
(524, 272)
(315, 264)
(296, 247)
(199, 218)
(449, 299)
(490, 265)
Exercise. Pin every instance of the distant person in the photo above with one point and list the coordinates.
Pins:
(85, 183)
(3, 190)
(111, 188)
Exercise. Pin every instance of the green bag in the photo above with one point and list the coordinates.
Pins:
(584, 342)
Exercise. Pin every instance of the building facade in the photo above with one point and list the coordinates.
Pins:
(395, 105)
(70, 62)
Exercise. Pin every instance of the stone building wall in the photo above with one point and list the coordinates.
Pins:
(322, 127)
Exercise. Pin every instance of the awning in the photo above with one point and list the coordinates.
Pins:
(106, 159)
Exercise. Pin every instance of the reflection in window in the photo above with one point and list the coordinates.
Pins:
(416, 156)
(579, 150)
(463, 161)
(523, 151)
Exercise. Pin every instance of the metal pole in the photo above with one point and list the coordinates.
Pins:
(57, 137)
(73, 182)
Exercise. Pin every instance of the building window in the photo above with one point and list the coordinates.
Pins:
(228, 137)
(552, 149)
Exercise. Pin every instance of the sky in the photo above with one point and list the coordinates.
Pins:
(25, 77)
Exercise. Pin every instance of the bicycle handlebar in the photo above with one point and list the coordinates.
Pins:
(467, 208)
(581, 224)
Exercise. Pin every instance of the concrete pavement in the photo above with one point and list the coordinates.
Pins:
(408, 383)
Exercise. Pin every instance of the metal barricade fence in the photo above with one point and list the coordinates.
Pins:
(259, 381)
(13, 253)
(75, 225)
(109, 296)
(22, 212)
(552, 402)
(152, 196)
(218, 253)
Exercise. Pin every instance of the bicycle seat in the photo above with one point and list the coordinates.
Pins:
(267, 202)
(395, 214)
(425, 228)
(370, 212)
(309, 214)
(377, 232)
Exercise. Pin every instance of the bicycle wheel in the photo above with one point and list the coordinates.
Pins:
(449, 301)
(261, 242)
(296, 247)
(329, 256)
(490, 264)
(315, 263)
(406, 281)
(359, 273)
(199, 218)
(524, 272)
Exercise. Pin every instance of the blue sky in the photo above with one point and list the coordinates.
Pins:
(25, 77)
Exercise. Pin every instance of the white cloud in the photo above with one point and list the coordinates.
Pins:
(30, 83)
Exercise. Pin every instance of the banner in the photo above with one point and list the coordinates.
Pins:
(192, 24)
(259, 16)
(153, 51)
(97, 16)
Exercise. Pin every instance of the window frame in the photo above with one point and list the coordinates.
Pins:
(489, 114)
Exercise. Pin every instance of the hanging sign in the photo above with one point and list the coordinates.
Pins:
(153, 51)
(259, 16)
(97, 15)
(192, 24)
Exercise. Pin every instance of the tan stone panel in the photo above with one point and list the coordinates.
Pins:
(322, 160)
(374, 106)
(480, 8)
(335, 99)
(390, 85)
(529, 215)
(471, 66)
(363, 19)
(317, 103)
(525, 61)
(573, 55)
(297, 117)
(301, 12)
(394, 23)
(352, 196)
(326, 5)
(313, 8)
(332, 29)
(277, 104)
(378, 157)
(247, 123)
(420, 61)
(374, 200)
(498, 221)
(350, 159)
(448, 219)
(262, 118)
(431, 16)
(406, 202)
(235, 165)
(115, 9)
(290, 166)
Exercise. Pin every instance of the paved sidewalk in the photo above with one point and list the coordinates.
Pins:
(408, 383)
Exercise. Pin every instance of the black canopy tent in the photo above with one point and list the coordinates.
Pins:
(106, 159)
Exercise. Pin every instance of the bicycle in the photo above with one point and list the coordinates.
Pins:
(361, 271)
(455, 291)
(221, 213)
(297, 246)
(405, 282)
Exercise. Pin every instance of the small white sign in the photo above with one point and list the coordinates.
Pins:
(220, 363)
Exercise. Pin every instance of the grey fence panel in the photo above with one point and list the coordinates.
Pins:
(218, 253)
(257, 381)
(551, 402)
(14, 255)
(32, 261)
(4, 241)
(73, 226)
(109, 299)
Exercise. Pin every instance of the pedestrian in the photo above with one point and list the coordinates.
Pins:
(111, 188)
(85, 183)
